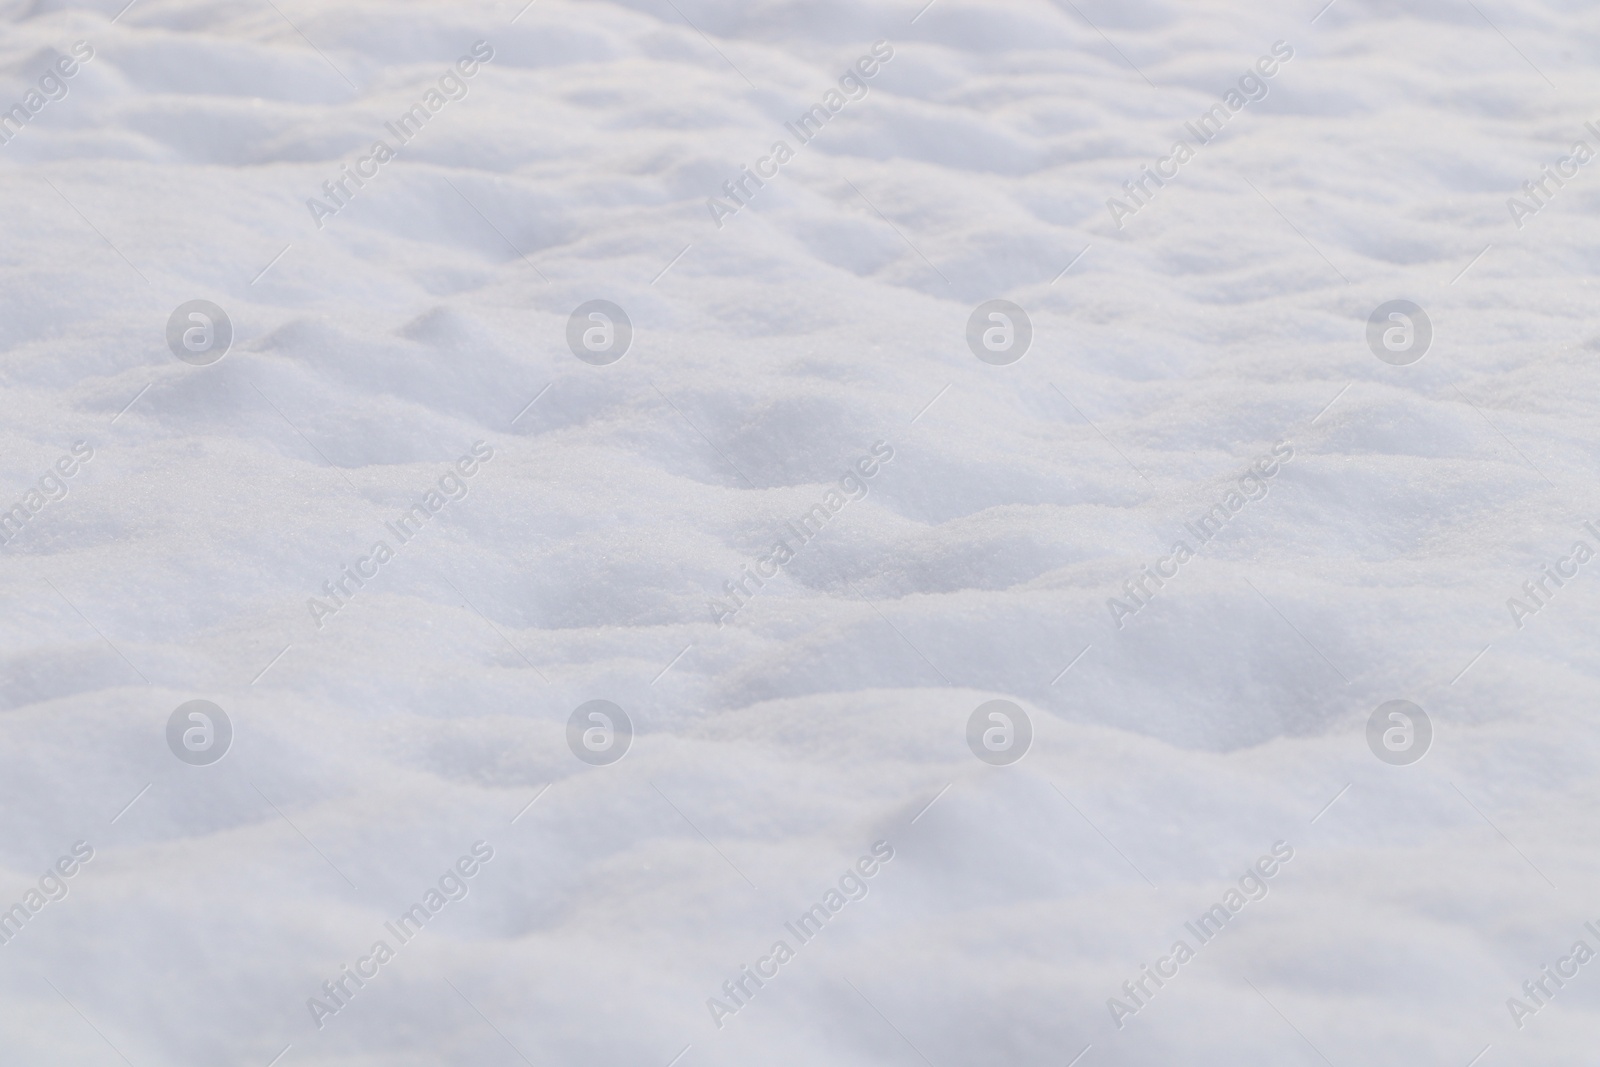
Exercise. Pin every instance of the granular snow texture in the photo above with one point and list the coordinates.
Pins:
(1218, 514)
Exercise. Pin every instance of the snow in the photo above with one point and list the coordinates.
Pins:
(379, 349)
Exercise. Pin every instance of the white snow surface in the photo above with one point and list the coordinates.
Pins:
(374, 746)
